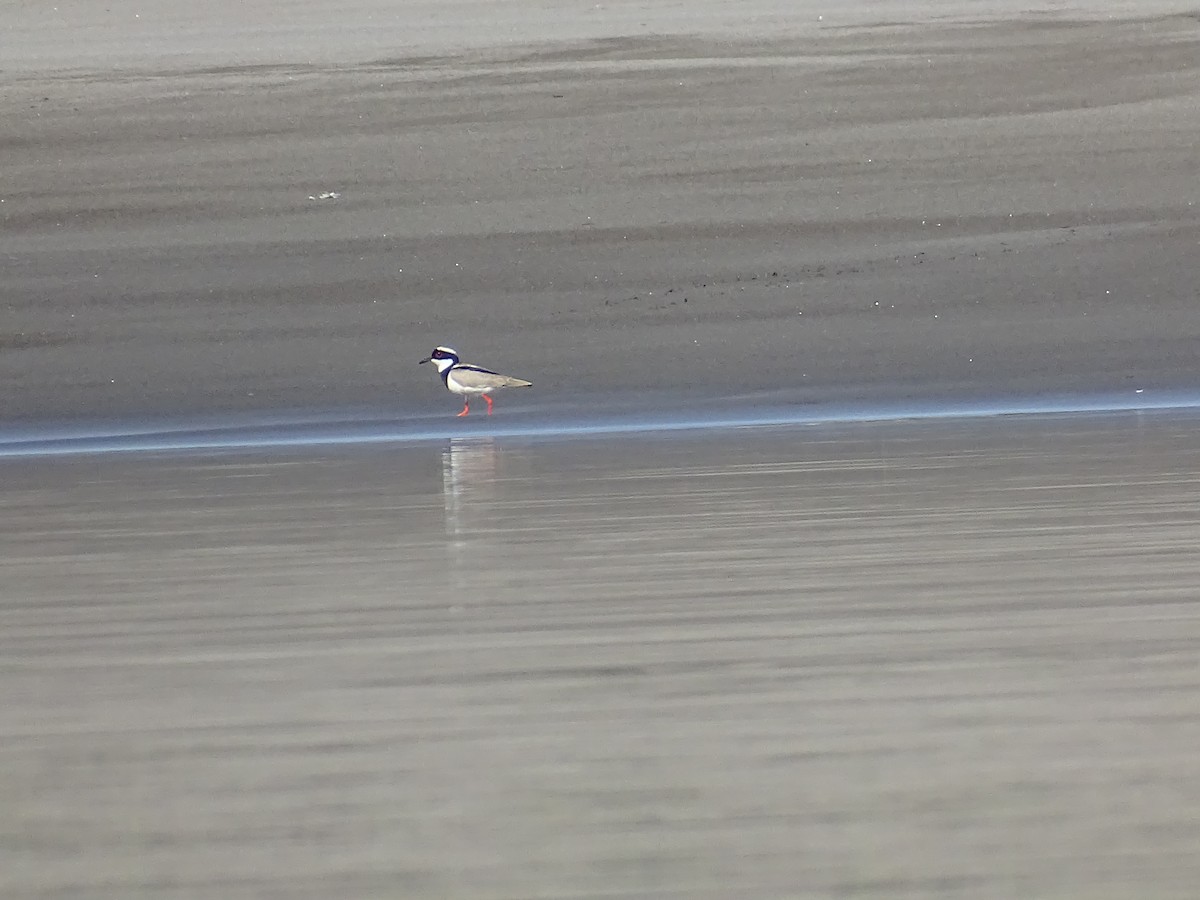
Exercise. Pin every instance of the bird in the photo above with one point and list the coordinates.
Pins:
(467, 380)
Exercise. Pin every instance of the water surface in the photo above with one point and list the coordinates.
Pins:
(930, 659)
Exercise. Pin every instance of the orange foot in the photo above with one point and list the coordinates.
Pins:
(489, 403)
(466, 409)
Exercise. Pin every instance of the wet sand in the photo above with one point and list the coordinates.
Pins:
(923, 659)
(881, 660)
(943, 203)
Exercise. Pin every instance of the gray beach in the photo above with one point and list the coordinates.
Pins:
(927, 657)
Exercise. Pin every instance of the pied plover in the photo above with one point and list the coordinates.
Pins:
(467, 380)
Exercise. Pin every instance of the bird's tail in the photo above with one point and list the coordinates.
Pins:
(517, 382)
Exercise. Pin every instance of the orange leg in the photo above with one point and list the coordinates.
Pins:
(488, 398)
(466, 408)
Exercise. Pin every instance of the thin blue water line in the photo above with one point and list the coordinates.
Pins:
(276, 431)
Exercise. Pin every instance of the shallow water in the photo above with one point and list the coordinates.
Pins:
(931, 659)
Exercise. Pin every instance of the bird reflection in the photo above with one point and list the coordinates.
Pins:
(469, 473)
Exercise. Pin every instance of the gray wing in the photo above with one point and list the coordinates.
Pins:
(475, 378)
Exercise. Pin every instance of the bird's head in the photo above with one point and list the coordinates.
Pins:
(442, 357)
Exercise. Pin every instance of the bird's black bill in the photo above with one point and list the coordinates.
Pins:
(425, 360)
